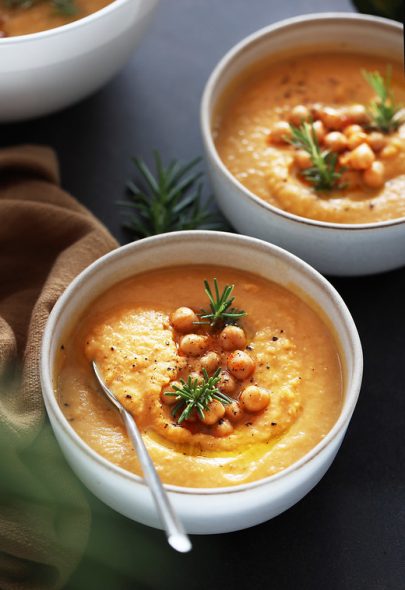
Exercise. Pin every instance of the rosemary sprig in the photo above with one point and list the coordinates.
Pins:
(169, 201)
(195, 395)
(383, 110)
(220, 306)
(323, 174)
(64, 7)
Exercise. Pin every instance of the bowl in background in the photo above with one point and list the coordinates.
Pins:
(43, 72)
(332, 248)
(202, 510)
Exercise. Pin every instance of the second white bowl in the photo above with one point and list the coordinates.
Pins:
(332, 248)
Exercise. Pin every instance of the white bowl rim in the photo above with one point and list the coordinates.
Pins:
(62, 29)
(214, 77)
(351, 393)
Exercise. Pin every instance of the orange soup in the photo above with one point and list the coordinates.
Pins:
(219, 400)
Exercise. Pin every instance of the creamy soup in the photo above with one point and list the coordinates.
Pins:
(329, 93)
(17, 18)
(276, 374)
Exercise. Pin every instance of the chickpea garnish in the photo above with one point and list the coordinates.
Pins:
(241, 365)
(182, 319)
(389, 151)
(374, 176)
(210, 361)
(280, 133)
(255, 399)
(332, 119)
(356, 139)
(361, 157)
(319, 130)
(193, 344)
(214, 412)
(302, 159)
(222, 428)
(232, 337)
(169, 400)
(335, 141)
(357, 113)
(376, 141)
(226, 383)
(234, 412)
(351, 129)
(298, 114)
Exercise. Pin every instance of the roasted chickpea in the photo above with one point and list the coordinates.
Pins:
(182, 319)
(389, 151)
(332, 118)
(362, 157)
(213, 413)
(356, 139)
(374, 176)
(302, 159)
(319, 130)
(222, 428)
(357, 113)
(232, 337)
(350, 129)
(227, 383)
(234, 412)
(210, 362)
(298, 114)
(241, 365)
(169, 400)
(376, 141)
(193, 344)
(255, 399)
(280, 132)
(335, 141)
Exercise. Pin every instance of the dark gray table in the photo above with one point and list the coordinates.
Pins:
(348, 533)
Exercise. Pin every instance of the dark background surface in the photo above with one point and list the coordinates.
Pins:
(348, 533)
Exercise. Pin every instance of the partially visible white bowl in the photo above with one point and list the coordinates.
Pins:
(332, 248)
(43, 72)
(202, 510)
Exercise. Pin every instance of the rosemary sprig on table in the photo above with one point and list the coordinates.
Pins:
(324, 174)
(383, 110)
(196, 395)
(221, 309)
(64, 7)
(169, 201)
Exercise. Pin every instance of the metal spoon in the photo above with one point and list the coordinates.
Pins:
(175, 532)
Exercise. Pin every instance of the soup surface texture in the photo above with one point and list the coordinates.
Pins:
(329, 90)
(129, 333)
(23, 19)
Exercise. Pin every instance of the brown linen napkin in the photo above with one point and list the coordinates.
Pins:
(46, 239)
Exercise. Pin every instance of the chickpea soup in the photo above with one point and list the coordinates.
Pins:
(319, 135)
(229, 380)
(21, 17)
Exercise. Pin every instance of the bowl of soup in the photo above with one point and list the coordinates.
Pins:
(305, 140)
(56, 53)
(275, 376)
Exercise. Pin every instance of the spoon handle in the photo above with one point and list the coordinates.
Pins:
(175, 532)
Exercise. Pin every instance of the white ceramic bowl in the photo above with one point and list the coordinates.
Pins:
(201, 510)
(44, 72)
(332, 248)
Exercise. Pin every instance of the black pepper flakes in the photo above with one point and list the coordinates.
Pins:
(274, 338)
(62, 347)
(128, 396)
(274, 423)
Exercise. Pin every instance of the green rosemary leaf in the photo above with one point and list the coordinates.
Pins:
(324, 174)
(221, 310)
(384, 113)
(196, 395)
(168, 201)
